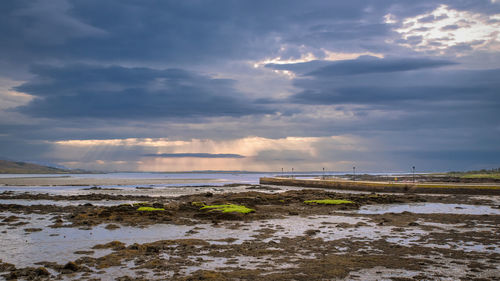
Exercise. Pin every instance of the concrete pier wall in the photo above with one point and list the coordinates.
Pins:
(386, 186)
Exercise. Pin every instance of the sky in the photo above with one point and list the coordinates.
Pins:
(143, 85)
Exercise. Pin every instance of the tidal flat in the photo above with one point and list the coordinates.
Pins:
(102, 234)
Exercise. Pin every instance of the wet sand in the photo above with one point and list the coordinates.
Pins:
(377, 237)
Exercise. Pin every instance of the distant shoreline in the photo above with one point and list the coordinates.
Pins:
(69, 181)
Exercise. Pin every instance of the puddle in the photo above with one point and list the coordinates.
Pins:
(219, 263)
(382, 273)
(429, 208)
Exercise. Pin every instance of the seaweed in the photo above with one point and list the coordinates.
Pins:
(228, 208)
(149, 209)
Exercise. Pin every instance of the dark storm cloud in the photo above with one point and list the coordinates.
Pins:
(171, 31)
(391, 97)
(365, 65)
(342, 31)
(90, 91)
(385, 95)
(299, 68)
(448, 114)
(472, 154)
(195, 155)
(179, 32)
(193, 32)
(362, 65)
(392, 82)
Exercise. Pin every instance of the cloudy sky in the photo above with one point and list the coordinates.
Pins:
(251, 85)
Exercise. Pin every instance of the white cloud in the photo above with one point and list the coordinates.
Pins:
(445, 29)
(390, 19)
(10, 98)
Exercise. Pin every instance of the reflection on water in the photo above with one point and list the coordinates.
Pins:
(249, 178)
(66, 202)
(429, 208)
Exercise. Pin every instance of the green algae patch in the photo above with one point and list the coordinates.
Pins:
(328, 202)
(149, 209)
(228, 208)
(197, 204)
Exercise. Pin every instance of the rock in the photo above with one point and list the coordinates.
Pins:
(158, 205)
(71, 266)
(32, 229)
(115, 245)
(42, 271)
(152, 249)
(413, 223)
(111, 226)
(311, 232)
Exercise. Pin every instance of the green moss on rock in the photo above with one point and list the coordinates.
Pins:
(228, 208)
(149, 209)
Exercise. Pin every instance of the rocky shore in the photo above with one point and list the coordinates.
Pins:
(286, 236)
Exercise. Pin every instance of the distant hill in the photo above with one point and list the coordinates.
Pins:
(12, 167)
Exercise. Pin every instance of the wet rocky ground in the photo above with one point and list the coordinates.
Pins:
(377, 237)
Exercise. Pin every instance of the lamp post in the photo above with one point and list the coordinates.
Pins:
(413, 174)
(282, 173)
(292, 173)
(354, 173)
(323, 173)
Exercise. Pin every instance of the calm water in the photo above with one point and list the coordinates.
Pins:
(205, 182)
(244, 177)
(429, 208)
(234, 177)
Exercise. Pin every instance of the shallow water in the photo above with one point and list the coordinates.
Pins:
(429, 208)
(154, 191)
(59, 244)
